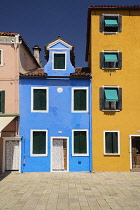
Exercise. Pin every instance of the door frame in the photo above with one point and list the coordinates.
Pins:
(130, 137)
(59, 137)
(14, 138)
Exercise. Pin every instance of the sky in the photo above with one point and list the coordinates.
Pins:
(41, 21)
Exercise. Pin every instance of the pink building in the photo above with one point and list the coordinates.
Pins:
(15, 58)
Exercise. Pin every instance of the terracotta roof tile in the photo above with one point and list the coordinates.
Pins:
(115, 6)
(39, 72)
(8, 34)
(81, 72)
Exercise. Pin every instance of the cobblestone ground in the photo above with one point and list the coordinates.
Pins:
(73, 190)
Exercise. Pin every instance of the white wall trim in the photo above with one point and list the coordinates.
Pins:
(87, 102)
(31, 143)
(53, 60)
(87, 135)
(59, 41)
(47, 99)
(51, 146)
(115, 131)
(11, 139)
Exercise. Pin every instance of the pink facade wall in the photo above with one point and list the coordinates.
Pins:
(16, 58)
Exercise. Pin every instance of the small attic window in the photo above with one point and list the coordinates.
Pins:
(59, 62)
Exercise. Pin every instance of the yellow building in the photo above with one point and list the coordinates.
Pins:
(113, 54)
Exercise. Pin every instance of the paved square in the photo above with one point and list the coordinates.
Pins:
(73, 190)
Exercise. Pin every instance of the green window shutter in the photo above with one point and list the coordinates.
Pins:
(120, 60)
(101, 23)
(111, 142)
(102, 98)
(115, 142)
(39, 142)
(0, 57)
(102, 62)
(120, 23)
(80, 142)
(39, 99)
(2, 101)
(120, 98)
(80, 100)
(59, 61)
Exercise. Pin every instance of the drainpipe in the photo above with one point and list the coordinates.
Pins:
(90, 124)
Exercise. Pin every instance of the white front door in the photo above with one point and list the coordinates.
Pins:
(11, 155)
(59, 154)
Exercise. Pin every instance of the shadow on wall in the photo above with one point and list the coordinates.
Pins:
(2, 176)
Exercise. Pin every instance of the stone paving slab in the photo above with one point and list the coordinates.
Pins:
(70, 191)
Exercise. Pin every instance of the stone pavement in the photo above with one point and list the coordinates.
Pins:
(73, 190)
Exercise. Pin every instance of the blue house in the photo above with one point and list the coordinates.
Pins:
(55, 113)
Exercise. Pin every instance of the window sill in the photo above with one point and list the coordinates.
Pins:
(110, 68)
(112, 154)
(108, 110)
(79, 111)
(37, 155)
(81, 155)
(110, 32)
(40, 111)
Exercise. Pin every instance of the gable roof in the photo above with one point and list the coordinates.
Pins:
(125, 6)
(23, 42)
(59, 39)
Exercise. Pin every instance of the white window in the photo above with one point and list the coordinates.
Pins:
(80, 99)
(39, 143)
(111, 23)
(110, 98)
(111, 143)
(80, 142)
(59, 61)
(110, 60)
(1, 57)
(39, 99)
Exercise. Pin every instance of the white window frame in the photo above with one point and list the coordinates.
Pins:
(53, 61)
(1, 57)
(47, 98)
(113, 15)
(110, 51)
(72, 105)
(112, 131)
(87, 135)
(110, 110)
(31, 143)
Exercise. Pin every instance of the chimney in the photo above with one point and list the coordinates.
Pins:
(37, 50)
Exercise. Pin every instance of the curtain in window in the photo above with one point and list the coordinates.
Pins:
(80, 100)
(39, 99)
(80, 142)
(39, 142)
(59, 61)
(111, 142)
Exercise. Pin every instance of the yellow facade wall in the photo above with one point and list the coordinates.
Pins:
(126, 121)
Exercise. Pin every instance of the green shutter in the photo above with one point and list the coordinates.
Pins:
(39, 101)
(80, 142)
(39, 142)
(59, 61)
(80, 100)
(2, 101)
(111, 142)
(108, 142)
(0, 57)
(115, 142)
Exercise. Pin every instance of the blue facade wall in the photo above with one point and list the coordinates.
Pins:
(59, 121)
